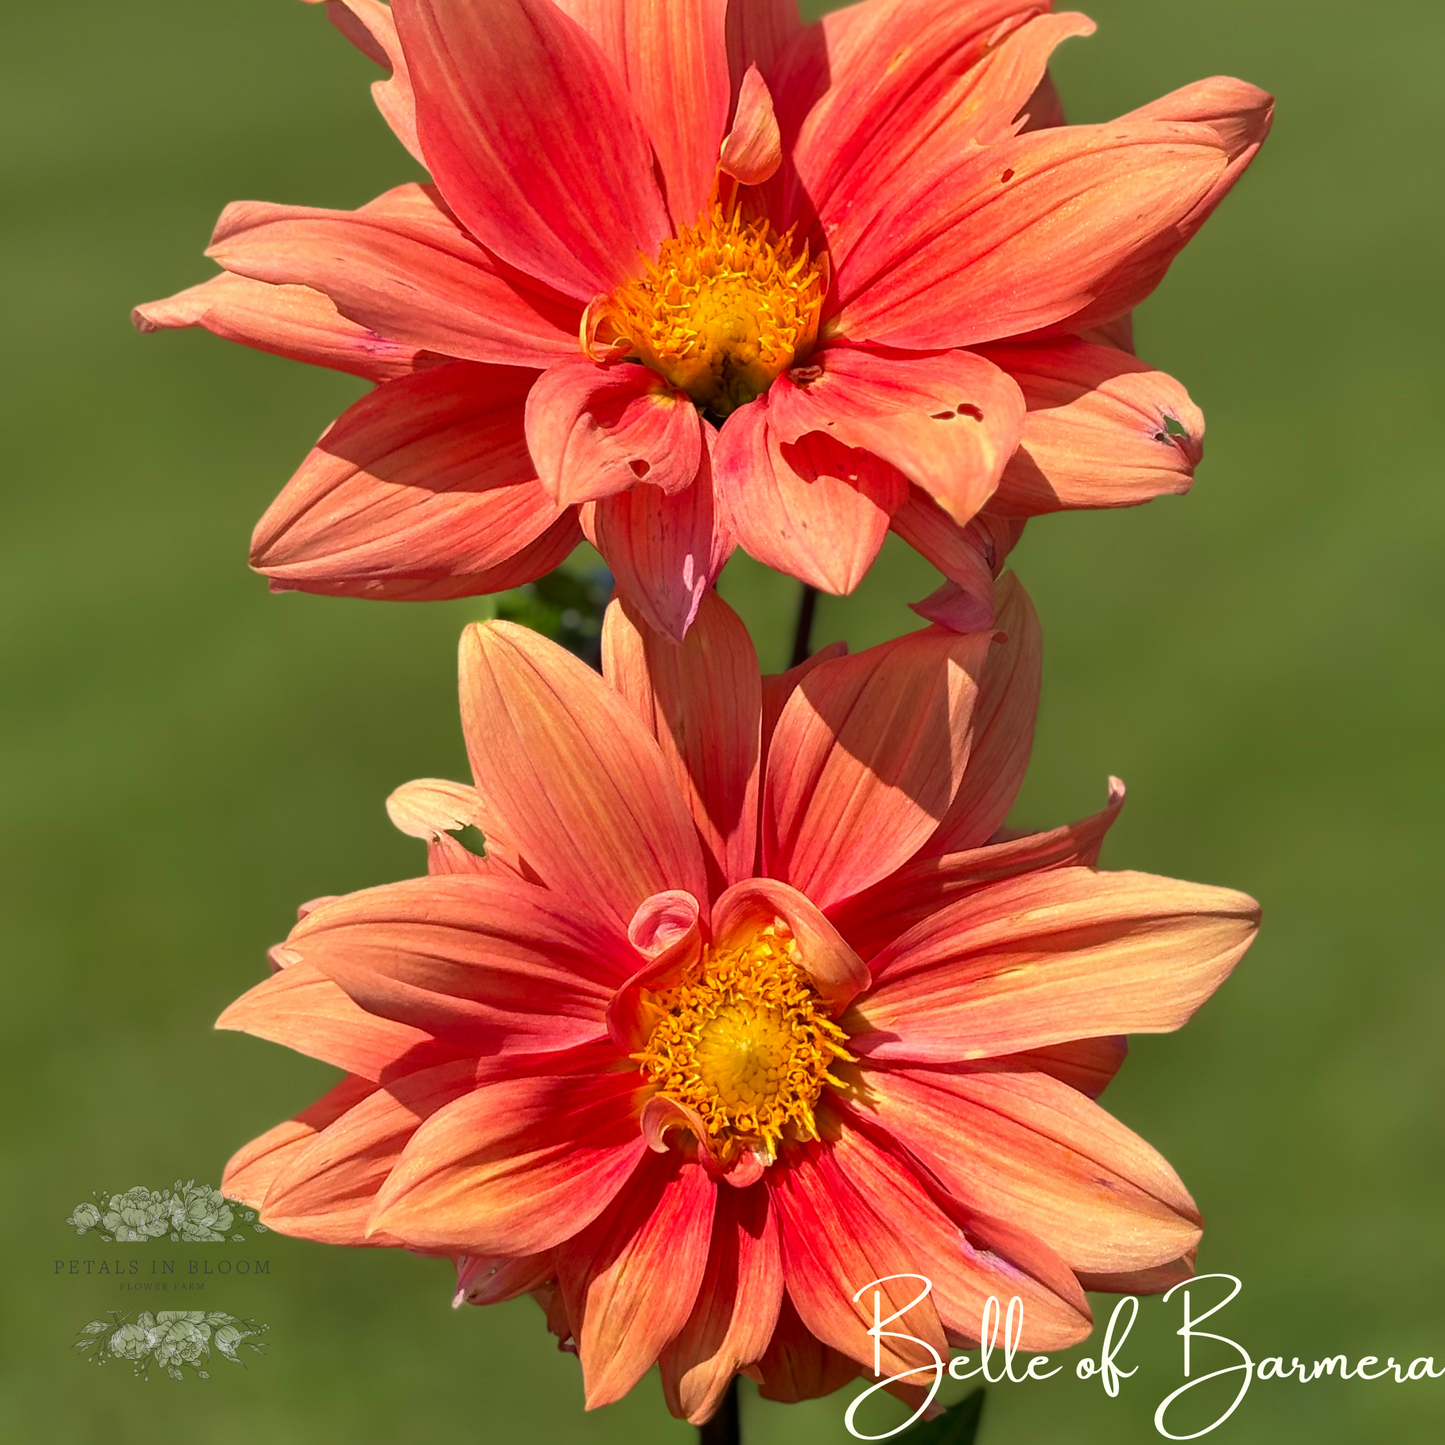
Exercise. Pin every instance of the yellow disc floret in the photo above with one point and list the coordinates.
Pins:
(744, 1042)
(725, 308)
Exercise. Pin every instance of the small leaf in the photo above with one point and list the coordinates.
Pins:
(958, 1425)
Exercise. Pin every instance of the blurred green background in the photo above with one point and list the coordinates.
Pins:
(185, 758)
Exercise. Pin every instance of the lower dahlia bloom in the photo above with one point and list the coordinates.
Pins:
(748, 1005)
(691, 274)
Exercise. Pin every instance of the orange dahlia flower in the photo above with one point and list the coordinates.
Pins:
(748, 1005)
(691, 274)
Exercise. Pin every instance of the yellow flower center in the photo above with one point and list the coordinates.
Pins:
(744, 1043)
(725, 308)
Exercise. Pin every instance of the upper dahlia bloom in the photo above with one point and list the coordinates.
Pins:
(692, 275)
(748, 1005)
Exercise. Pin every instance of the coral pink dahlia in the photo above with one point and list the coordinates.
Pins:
(690, 274)
(748, 1005)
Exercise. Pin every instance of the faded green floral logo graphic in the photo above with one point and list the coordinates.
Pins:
(188, 1212)
(173, 1340)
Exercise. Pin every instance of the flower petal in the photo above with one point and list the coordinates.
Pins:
(798, 1365)
(778, 687)
(327, 1192)
(1020, 235)
(547, 164)
(944, 1247)
(665, 551)
(664, 51)
(948, 422)
(753, 150)
(1104, 429)
(584, 789)
(1240, 116)
(595, 430)
(290, 321)
(252, 1168)
(960, 553)
(757, 31)
(873, 919)
(1003, 725)
(489, 1279)
(369, 27)
(736, 1310)
(865, 761)
(630, 1279)
(1037, 1152)
(834, 1245)
(702, 700)
(1051, 956)
(433, 809)
(516, 1166)
(491, 964)
(403, 267)
(427, 477)
(811, 507)
(300, 1008)
(835, 970)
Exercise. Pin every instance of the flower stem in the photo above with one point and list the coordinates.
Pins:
(803, 636)
(726, 1427)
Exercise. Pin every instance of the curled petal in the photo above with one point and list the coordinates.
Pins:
(753, 150)
(492, 1279)
(430, 806)
(834, 969)
(594, 431)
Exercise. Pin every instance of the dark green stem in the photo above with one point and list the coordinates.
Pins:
(726, 1427)
(803, 636)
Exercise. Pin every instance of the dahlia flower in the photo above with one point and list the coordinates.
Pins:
(689, 275)
(748, 1004)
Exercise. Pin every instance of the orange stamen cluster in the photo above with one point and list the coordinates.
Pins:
(725, 308)
(744, 1043)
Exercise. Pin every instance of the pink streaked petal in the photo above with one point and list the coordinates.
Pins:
(491, 964)
(948, 422)
(736, 1310)
(811, 507)
(1047, 957)
(547, 164)
(425, 477)
(968, 1255)
(1103, 429)
(942, 95)
(833, 1246)
(290, 321)
(251, 1169)
(757, 32)
(1033, 1150)
(583, 788)
(493, 1279)
(368, 25)
(928, 882)
(595, 430)
(403, 267)
(1023, 234)
(665, 51)
(516, 1166)
(300, 1008)
(753, 150)
(702, 700)
(865, 761)
(1003, 725)
(960, 553)
(665, 551)
(631, 1278)
(1240, 116)
(327, 1192)
(835, 970)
